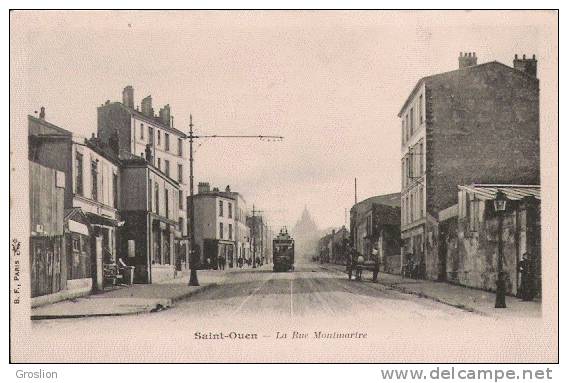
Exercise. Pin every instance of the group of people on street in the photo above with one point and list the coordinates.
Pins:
(356, 262)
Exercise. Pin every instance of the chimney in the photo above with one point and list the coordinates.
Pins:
(147, 109)
(165, 115)
(148, 153)
(228, 189)
(42, 113)
(128, 96)
(203, 187)
(525, 65)
(467, 59)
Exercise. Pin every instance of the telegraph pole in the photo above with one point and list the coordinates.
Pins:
(253, 236)
(193, 281)
(192, 253)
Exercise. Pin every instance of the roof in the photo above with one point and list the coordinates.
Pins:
(392, 200)
(150, 119)
(468, 68)
(513, 192)
(58, 130)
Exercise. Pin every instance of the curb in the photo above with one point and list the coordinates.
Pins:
(160, 304)
(419, 294)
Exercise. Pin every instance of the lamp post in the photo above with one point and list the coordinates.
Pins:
(500, 204)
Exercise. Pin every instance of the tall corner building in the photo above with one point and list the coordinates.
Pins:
(476, 124)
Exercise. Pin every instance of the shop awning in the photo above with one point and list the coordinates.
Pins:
(78, 227)
(96, 219)
(513, 192)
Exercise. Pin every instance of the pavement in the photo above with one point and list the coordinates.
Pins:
(280, 313)
(465, 298)
(125, 300)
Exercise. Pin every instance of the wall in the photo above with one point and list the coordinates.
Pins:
(134, 188)
(135, 228)
(46, 199)
(114, 116)
(106, 170)
(472, 255)
(482, 127)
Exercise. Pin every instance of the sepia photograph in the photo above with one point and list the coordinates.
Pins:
(283, 186)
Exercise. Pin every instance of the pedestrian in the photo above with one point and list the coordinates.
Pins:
(527, 278)
(376, 265)
(349, 263)
(360, 261)
(222, 263)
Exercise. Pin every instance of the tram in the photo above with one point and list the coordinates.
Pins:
(283, 251)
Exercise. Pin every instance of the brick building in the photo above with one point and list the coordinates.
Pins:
(476, 124)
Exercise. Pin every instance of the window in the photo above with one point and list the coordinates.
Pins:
(411, 121)
(180, 147)
(180, 200)
(141, 131)
(406, 124)
(411, 207)
(79, 173)
(180, 173)
(94, 180)
(114, 190)
(167, 167)
(159, 137)
(160, 163)
(403, 131)
(157, 197)
(420, 202)
(167, 141)
(403, 211)
(180, 224)
(230, 210)
(230, 231)
(407, 209)
(151, 135)
(421, 158)
(167, 202)
(420, 109)
(221, 230)
(220, 208)
(76, 243)
(150, 207)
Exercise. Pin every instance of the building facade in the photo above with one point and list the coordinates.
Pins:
(242, 231)
(139, 132)
(92, 184)
(469, 236)
(479, 123)
(375, 223)
(149, 207)
(214, 226)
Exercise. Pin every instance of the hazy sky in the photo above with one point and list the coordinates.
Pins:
(331, 83)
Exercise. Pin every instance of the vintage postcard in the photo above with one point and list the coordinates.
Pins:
(283, 186)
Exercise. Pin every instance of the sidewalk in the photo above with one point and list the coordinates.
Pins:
(129, 299)
(465, 298)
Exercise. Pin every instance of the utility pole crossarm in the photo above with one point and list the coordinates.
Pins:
(193, 281)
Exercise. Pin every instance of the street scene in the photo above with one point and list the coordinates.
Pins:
(291, 181)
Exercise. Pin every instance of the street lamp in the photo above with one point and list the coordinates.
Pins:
(500, 204)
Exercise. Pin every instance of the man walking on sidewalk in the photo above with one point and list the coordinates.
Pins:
(376, 265)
